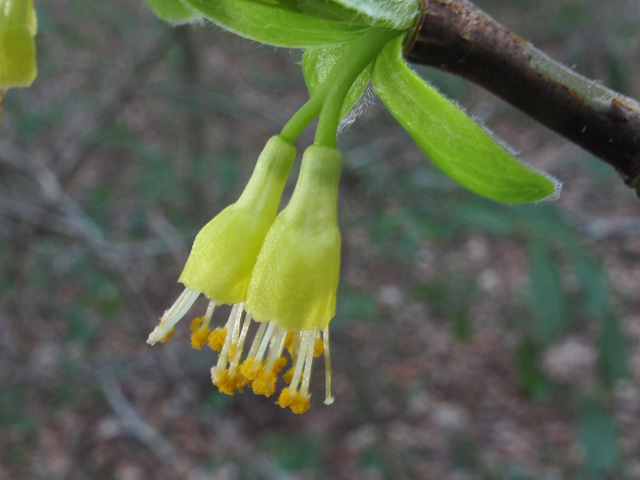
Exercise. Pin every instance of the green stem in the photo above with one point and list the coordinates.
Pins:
(303, 117)
(362, 53)
(350, 64)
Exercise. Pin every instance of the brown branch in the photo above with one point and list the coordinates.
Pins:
(459, 38)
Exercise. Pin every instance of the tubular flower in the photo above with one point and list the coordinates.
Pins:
(18, 26)
(288, 290)
(292, 294)
(225, 251)
(295, 279)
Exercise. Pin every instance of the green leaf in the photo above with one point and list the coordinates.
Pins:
(394, 14)
(274, 25)
(597, 432)
(318, 62)
(173, 11)
(546, 295)
(325, 9)
(454, 142)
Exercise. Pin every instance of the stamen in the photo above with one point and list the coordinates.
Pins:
(285, 398)
(264, 380)
(288, 375)
(288, 341)
(231, 326)
(195, 323)
(239, 344)
(172, 316)
(306, 377)
(217, 338)
(168, 335)
(265, 341)
(252, 367)
(236, 324)
(300, 403)
(209, 313)
(328, 397)
(305, 346)
(228, 381)
(296, 343)
(265, 359)
(200, 328)
(276, 352)
(318, 346)
(257, 339)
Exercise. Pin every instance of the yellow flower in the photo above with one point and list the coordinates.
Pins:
(285, 296)
(225, 251)
(18, 25)
(292, 293)
(295, 280)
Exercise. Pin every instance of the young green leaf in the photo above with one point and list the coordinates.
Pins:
(393, 14)
(276, 26)
(173, 11)
(396, 14)
(318, 62)
(453, 141)
(326, 9)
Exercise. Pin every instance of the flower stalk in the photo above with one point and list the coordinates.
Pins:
(330, 97)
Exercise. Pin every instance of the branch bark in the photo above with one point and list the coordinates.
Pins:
(457, 37)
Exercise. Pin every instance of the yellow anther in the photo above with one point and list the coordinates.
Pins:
(232, 350)
(278, 365)
(265, 384)
(251, 368)
(227, 383)
(318, 347)
(288, 341)
(288, 375)
(195, 323)
(300, 403)
(285, 398)
(168, 335)
(216, 338)
(199, 337)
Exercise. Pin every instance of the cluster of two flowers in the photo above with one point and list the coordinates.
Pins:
(281, 270)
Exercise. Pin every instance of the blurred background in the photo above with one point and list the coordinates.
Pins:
(472, 340)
